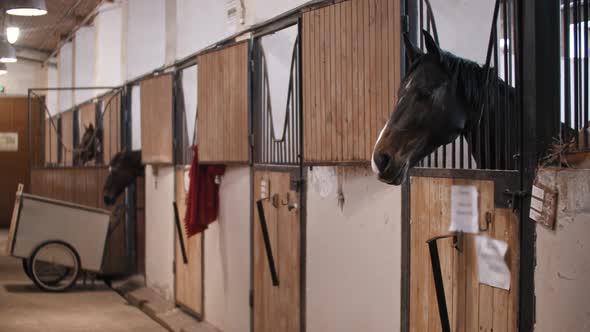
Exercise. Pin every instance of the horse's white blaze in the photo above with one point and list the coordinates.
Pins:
(373, 165)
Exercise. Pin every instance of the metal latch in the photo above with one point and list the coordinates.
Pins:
(515, 197)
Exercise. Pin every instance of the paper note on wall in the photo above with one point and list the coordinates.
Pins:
(464, 209)
(492, 268)
(8, 142)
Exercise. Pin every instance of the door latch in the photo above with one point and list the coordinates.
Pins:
(515, 199)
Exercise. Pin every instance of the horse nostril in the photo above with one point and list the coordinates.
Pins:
(382, 161)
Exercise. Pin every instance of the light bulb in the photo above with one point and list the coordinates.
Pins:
(12, 34)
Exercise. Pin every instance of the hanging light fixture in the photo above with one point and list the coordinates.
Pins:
(3, 69)
(12, 34)
(7, 52)
(26, 7)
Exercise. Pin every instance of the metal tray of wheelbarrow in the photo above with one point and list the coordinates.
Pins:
(39, 219)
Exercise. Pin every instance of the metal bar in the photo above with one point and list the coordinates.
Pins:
(566, 69)
(506, 87)
(576, 58)
(439, 286)
(586, 78)
(29, 143)
(267, 246)
(179, 232)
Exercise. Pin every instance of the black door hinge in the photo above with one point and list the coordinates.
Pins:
(251, 298)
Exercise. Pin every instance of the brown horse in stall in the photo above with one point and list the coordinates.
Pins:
(124, 168)
(89, 147)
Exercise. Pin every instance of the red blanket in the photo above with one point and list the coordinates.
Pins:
(202, 201)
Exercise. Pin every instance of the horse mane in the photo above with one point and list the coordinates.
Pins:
(473, 79)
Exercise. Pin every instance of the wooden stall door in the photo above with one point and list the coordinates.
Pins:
(156, 120)
(14, 165)
(223, 105)
(277, 308)
(351, 75)
(189, 277)
(472, 306)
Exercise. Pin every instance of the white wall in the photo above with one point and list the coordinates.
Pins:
(353, 254)
(189, 89)
(136, 117)
(227, 255)
(262, 10)
(278, 51)
(23, 75)
(66, 76)
(159, 230)
(563, 264)
(52, 82)
(84, 63)
(109, 42)
(146, 36)
(198, 25)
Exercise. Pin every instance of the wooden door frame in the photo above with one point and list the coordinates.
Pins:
(298, 179)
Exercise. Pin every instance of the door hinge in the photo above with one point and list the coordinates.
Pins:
(251, 298)
(515, 198)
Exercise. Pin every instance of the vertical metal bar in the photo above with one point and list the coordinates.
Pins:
(506, 88)
(29, 143)
(439, 286)
(586, 78)
(566, 69)
(576, 72)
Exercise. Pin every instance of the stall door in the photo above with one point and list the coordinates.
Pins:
(276, 307)
(471, 306)
(189, 275)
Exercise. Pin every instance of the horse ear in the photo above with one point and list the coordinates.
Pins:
(412, 51)
(431, 45)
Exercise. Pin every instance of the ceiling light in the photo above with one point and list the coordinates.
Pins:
(7, 53)
(3, 69)
(12, 34)
(26, 7)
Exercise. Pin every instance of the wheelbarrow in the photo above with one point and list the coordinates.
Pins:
(57, 240)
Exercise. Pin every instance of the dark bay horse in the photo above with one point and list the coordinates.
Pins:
(89, 147)
(442, 97)
(124, 168)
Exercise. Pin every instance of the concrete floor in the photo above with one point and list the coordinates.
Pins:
(24, 308)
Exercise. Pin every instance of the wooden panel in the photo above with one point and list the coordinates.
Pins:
(350, 77)
(51, 141)
(472, 306)
(14, 165)
(87, 114)
(223, 105)
(111, 123)
(67, 138)
(156, 120)
(277, 308)
(188, 277)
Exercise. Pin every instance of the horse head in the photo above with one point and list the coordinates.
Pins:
(433, 108)
(123, 169)
(88, 147)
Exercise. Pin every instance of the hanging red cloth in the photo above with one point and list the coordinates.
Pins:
(202, 201)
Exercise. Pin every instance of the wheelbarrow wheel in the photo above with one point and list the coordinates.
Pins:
(54, 266)
(26, 268)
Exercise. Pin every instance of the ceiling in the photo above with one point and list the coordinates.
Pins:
(43, 33)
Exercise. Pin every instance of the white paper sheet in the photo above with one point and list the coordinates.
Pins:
(464, 209)
(493, 270)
